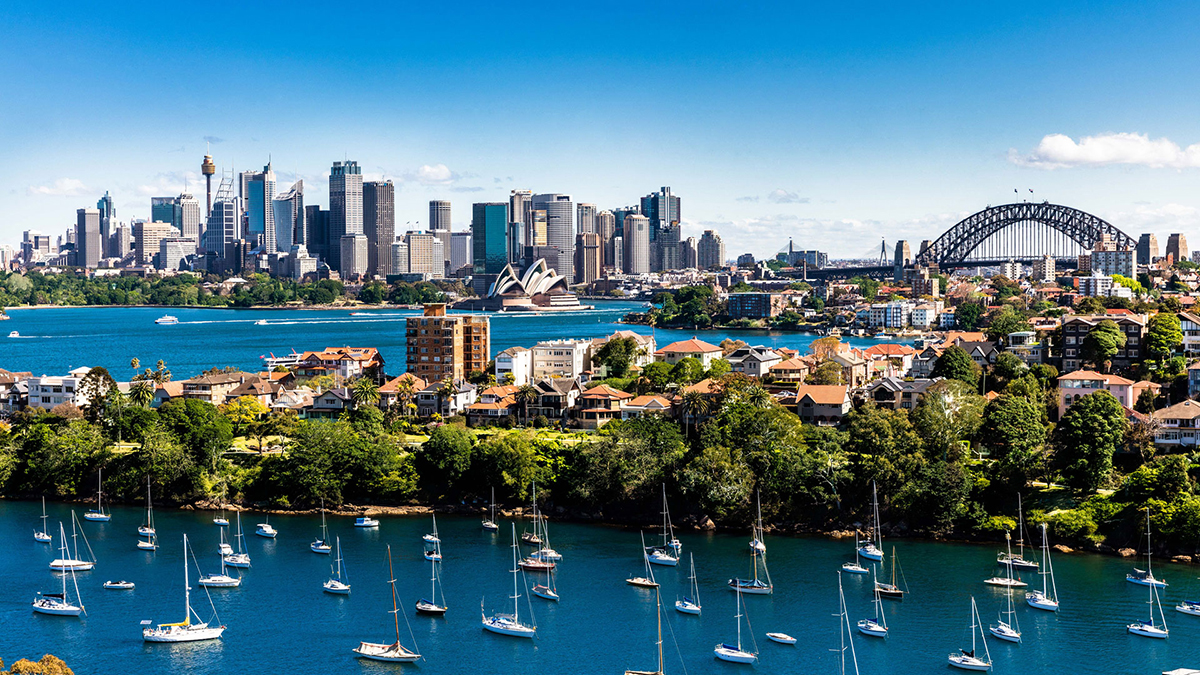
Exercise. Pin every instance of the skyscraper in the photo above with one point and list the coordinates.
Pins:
(379, 224)
(489, 235)
(289, 217)
(87, 238)
(710, 251)
(1177, 247)
(586, 221)
(589, 257)
(258, 193)
(187, 209)
(439, 215)
(637, 244)
(108, 217)
(345, 206)
(520, 216)
(1147, 249)
(560, 230)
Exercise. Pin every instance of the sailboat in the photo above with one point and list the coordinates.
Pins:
(337, 583)
(735, 653)
(644, 581)
(967, 660)
(854, 567)
(844, 629)
(150, 543)
(1148, 628)
(664, 555)
(757, 543)
(240, 559)
(873, 549)
(75, 563)
(1047, 598)
(221, 520)
(184, 631)
(321, 544)
(431, 605)
(1008, 580)
(876, 627)
(690, 604)
(264, 529)
(891, 590)
(433, 544)
(489, 523)
(509, 624)
(58, 604)
(1146, 577)
(394, 651)
(659, 644)
(42, 536)
(1008, 630)
(1007, 559)
(97, 514)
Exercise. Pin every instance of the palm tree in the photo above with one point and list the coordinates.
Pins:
(693, 403)
(446, 391)
(364, 392)
(142, 393)
(405, 392)
(526, 394)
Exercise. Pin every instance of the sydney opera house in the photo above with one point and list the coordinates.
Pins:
(540, 289)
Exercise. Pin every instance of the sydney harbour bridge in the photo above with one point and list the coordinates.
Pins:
(1021, 232)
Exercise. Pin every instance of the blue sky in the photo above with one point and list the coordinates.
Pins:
(835, 126)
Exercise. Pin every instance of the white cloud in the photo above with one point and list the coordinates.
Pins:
(781, 196)
(69, 187)
(1058, 151)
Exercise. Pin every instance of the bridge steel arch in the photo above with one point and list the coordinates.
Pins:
(956, 244)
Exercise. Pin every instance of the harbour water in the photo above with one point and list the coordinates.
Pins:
(279, 621)
(55, 340)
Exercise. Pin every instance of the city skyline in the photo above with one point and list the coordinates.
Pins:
(816, 121)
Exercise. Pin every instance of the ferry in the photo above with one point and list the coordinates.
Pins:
(166, 320)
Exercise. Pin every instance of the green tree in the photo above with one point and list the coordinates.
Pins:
(1085, 439)
(1163, 336)
(1102, 343)
(956, 364)
(1015, 437)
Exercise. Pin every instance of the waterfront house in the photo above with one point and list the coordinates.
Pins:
(823, 405)
(600, 405)
(700, 350)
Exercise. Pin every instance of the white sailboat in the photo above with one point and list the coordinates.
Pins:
(264, 528)
(42, 536)
(1149, 628)
(150, 543)
(98, 514)
(1009, 630)
(75, 563)
(509, 624)
(757, 539)
(854, 567)
(873, 549)
(690, 604)
(876, 627)
(1007, 559)
(734, 653)
(431, 605)
(646, 581)
(665, 554)
(1146, 577)
(968, 660)
(395, 652)
(58, 604)
(433, 544)
(489, 523)
(337, 584)
(321, 544)
(844, 630)
(241, 559)
(1008, 580)
(1047, 598)
(184, 631)
(659, 644)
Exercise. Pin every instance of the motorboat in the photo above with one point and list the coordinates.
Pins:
(119, 585)
(781, 638)
(166, 320)
(366, 522)
(183, 631)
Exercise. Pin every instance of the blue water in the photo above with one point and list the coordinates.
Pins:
(56, 340)
(279, 621)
